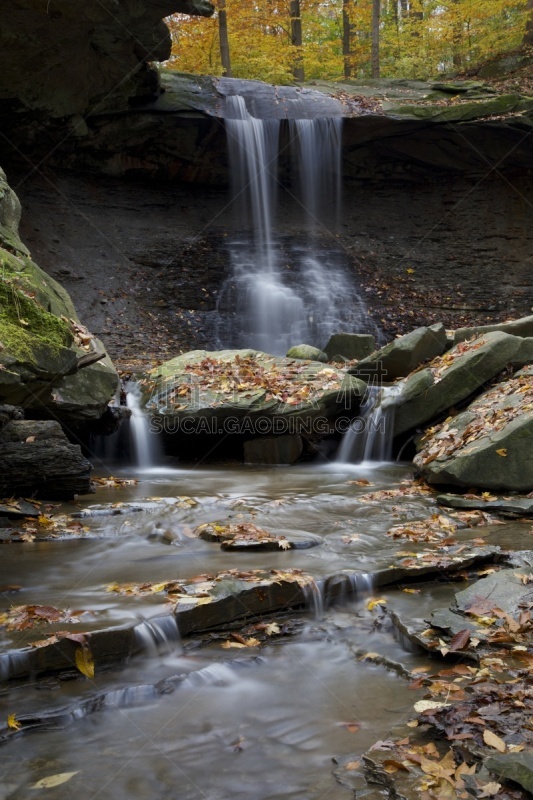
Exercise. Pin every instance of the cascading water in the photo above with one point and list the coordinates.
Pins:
(279, 296)
(144, 443)
(370, 435)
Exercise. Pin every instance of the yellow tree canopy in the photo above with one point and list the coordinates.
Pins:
(418, 38)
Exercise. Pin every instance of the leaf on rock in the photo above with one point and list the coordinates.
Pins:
(13, 723)
(494, 741)
(460, 640)
(85, 661)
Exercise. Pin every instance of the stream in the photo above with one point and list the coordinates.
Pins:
(259, 723)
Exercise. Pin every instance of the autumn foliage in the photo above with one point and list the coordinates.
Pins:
(417, 38)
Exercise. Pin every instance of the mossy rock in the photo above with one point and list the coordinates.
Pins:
(463, 112)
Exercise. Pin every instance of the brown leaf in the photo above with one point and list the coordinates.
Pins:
(494, 741)
(460, 640)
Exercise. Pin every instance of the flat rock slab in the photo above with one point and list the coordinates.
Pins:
(420, 634)
(516, 506)
(451, 378)
(517, 327)
(19, 509)
(503, 589)
(210, 602)
(490, 445)
(436, 561)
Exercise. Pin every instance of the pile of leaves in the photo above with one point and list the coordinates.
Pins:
(293, 384)
(199, 588)
(114, 483)
(239, 533)
(494, 410)
(21, 618)
(408, 488)
(440, 364)
(439, 527)
(45, 528)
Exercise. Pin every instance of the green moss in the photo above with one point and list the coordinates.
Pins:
(25, 325)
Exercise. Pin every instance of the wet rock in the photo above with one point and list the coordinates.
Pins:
(439, 560)
(273, 450)
(234, 396)
(37, 458)
(462, 112)
(308, 352)
(490, 445)
(519, 506)
(247, 536)
(503, 589)
(349, 346)
(455, 376)
(516, 767)
(20, 508)
(516, 327)
(400, 357)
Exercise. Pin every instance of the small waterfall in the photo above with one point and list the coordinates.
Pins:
(157, 636)
(274, 298)
(370, 435)
(145, 445)
(314, 597)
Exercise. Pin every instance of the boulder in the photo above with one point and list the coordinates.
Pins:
(516, 767)
(307, 352)
(400, 357)
(348, 346)
(37, 458)
(229, 394)
(517, 327)
(450, 379)
(490, 445)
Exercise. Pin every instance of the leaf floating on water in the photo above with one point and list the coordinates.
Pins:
(54, 780)
(13, 723)
(85, 661)
(380, 601)
(351, 727)
(429, 705)
(494, 741)
(502, 451)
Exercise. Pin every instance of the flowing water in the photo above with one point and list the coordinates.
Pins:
(283, 294)
(210, 722)
(370, 435)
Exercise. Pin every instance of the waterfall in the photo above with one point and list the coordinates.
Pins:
(279, 295)
(144, 443)
(370, 435)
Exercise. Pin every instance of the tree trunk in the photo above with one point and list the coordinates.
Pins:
(224, 41)
(347, 38)
(528, 35)
(296, 39)
(376, 13)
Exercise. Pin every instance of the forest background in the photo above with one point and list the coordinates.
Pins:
(279, 41)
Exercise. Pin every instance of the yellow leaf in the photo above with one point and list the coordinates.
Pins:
(53, 780)
(494, 741)
(85, 661)
(272, 628)
(410, 271)
(227, 644)
(502, 451)
(380, 601)
(46, 521)
(13, 723)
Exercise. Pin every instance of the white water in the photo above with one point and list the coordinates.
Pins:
(370, 435)
(145, 445)
(280, 295)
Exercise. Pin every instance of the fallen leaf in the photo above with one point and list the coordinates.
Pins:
(13, 723)
(371, 604)
(490, 789)
(429, 705)
(494, 741)
(460, 640)
(502, 451)
(53, 780)
(352, 727)
(85, 661)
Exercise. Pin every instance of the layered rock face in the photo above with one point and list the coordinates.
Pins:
(64, 58)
